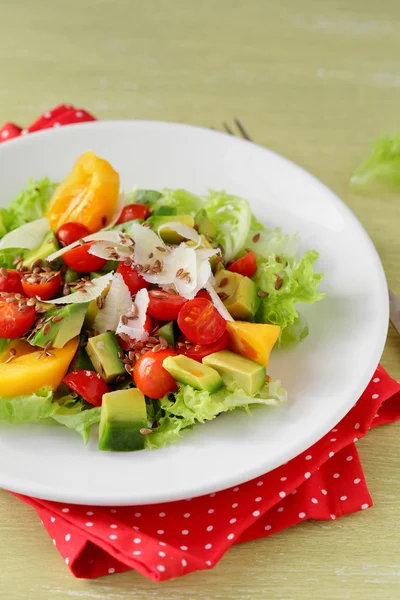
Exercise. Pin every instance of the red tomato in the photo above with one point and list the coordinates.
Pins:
(133, 211)
(132, 278)
(10, 282)
(80, 260)
(165, 306)
(200, 321)
(199, 351)
(129, 345)
(150, 376)
(15, 323)
(245, 265)
(88, 384)
(203, 294)
(71, 232)
(42, 291)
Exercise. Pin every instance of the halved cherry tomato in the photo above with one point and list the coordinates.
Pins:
(203, 294)
(80, 260)
(42, 291)
(200, 321)
(245, 265)
(133, 211)
(88, 384)
(165, 306)
(132, 278)
(14, 322)
(129, 345)
(71, 232)
(150, 376)
(10, 281)
(199, 351)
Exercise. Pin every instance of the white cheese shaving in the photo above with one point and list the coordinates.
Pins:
(135, 327)
(27, 236)
(92, 292)
(107, 236)
(104, 250)
(117, 302)
(184, 230)
(219, 305)
(149, 248)
(118, 211)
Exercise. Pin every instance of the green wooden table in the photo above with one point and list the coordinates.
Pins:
(315, 81)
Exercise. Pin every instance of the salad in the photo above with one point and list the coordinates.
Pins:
(147, 312)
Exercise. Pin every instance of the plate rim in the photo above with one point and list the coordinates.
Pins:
(283, 456)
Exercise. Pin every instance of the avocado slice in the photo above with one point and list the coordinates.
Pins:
(47, 246)
(166, 331)
(103, 351)
(81, 360)
(123, 415)
(189, 371)
(239, 293)
(206, 226)
(237, 371)
(168, 235)
(60, 331)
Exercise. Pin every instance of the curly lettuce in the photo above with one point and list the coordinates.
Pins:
(189, 406)
(29, 205)
(381, 170)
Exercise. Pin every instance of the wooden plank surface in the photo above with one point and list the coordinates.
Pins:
(315, 81)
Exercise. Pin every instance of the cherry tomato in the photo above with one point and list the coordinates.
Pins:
(88, 384)
(199, 351)
(80, 260)
(203, 294)
(133, 211)
(71, 232)
(42, 291)
(10, 281)
(245, 265)
(200, 321)
(150, 376)
(129, 344)
(132, 278)
(165, 306)
(15, 323)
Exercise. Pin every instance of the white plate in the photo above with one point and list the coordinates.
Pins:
(324, 375)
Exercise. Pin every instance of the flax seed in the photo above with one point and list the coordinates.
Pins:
(256, 238)
(262, 294)
(223, 282)
(4, 272)
(145, 431)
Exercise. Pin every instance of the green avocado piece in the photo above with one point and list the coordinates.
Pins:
(103, 351)
(91, 314)
(123, 415)
(167, 332)
(71, 275)
(169, 236)
(237, 371)
(63, 330)
(47, 246)
(81, 360)
(189, 371)
(239, 293)
(206, 226)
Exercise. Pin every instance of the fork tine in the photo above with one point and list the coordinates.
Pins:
(227, 128)
(242, 130)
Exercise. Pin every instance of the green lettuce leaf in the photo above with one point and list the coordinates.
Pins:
(232, 219)
(78, 416)
(28, 409)
(189, 406)
(381, 170)
(8, 255)
(264, 242)
(299, 283)
(184, 202)
(30, 204)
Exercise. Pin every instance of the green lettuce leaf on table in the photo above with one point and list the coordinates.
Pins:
(29, 205)
(192, 406)
(381, 170)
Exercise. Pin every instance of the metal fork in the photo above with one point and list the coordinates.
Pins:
(394, 300)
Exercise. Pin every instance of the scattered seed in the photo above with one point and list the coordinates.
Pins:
(179, 273)
(46, 329)
(156, 348)
(262, 294)
(146, 431)
(256, 238)
(10, 299)
(57, 318)
(161, 249)
(4, 272)
(223, 296)
(224, 282)
(128, 369)
(39, 355)
(151, 255)
(278, 282)
(278, 259)
(196, 226)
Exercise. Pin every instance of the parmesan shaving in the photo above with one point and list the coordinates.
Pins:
(27, 236)
(134, 328)
(91, 292)
(117, 302)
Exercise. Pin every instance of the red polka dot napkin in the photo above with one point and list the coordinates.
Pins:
(169, 540)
